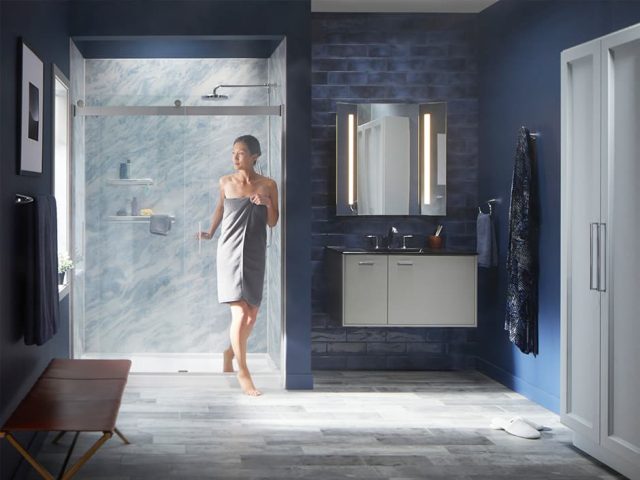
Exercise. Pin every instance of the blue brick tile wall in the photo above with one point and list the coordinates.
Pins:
(392, 58)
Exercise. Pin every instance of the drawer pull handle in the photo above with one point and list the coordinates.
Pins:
(405, 264)
(366, 263)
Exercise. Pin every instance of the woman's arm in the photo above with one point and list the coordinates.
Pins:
(272, 211)
(217, 215)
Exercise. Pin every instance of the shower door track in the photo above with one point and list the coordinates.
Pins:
(178, 111)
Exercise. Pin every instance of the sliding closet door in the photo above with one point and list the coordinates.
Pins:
(620, 427)
(580, 354)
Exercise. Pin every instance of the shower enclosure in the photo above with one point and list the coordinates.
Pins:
(153, 297)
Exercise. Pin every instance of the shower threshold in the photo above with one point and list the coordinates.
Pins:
(203, 363)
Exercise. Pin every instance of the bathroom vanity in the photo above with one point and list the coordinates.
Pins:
(412, 287)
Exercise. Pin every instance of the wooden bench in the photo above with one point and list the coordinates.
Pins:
(71, 396)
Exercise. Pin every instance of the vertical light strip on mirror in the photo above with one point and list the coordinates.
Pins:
(426, 158)
(351, 158)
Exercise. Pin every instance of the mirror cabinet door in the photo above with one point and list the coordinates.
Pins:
(433, 158)
(391, 159)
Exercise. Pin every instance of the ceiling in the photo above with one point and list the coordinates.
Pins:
(399, 6)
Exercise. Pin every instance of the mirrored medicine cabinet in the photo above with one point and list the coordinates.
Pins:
(391, 159)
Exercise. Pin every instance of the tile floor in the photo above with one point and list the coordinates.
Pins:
(364, 425)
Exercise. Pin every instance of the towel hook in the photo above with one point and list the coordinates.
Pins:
(23, 199)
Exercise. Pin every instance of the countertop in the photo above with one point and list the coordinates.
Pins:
(399, 251)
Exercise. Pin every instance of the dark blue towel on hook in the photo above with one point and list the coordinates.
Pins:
(41, 296)
(522, 250)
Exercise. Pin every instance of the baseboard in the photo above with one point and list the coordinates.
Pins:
(295, 381)
(519, 385)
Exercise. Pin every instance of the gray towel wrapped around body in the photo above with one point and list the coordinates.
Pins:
(487, 245)
(241, 251)
(160, 224)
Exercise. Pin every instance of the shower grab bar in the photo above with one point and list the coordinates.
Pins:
(201, 110)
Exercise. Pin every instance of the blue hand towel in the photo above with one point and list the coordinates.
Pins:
(487, 246)
(160, 224)
(41, 262)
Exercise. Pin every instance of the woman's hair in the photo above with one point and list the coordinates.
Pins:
(251, 142)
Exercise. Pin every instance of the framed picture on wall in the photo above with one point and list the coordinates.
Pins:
(31, 114)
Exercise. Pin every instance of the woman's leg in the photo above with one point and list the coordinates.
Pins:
(227, 360)
(228, 353)
(243, 318)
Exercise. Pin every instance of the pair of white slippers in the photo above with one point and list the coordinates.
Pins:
(518, 426)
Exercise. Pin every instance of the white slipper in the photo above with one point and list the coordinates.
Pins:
(500, 423)
(518, 426)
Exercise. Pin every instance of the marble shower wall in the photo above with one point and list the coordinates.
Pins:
(148, 293)
(277, 76)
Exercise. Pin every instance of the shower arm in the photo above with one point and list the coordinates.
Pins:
(215, 90)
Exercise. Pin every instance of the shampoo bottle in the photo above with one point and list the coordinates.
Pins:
(134, 206)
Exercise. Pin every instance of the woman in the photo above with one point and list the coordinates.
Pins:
(248, 202)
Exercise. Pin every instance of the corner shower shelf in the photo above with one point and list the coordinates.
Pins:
(130, 181)
(133, 218)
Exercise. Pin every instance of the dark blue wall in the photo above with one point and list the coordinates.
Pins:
(520, 45)
(392, 58)
(43, 25)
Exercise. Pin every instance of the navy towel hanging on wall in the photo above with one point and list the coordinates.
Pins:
(522, 251)
(41, 295)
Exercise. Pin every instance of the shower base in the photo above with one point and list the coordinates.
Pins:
(186, 363)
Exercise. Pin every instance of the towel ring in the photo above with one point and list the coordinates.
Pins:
(489, 202)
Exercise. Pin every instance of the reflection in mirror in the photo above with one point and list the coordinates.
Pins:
(391, 159)
(384, 159)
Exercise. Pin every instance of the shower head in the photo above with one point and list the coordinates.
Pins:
(214, 96)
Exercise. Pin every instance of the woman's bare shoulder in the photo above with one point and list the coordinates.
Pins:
(225, 179)
(268, 182)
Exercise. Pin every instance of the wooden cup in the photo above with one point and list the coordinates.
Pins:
(434, 242)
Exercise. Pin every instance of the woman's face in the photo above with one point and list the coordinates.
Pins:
(242, 158)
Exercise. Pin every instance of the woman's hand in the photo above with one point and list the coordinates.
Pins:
(259, 199)
(203, 236)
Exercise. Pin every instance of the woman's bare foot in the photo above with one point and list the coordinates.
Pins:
(227, 361)
(247, 384)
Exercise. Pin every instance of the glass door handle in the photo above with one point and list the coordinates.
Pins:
(199, 238)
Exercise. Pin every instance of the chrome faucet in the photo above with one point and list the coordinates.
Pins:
(390, 234)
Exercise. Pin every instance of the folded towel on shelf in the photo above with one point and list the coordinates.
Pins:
(41, 268)
(160, 224)
(487, 245)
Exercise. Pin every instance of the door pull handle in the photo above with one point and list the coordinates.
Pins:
(602, 257)
(593, 281)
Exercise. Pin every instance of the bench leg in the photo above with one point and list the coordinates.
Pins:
(122, 437)
(69, 453)
(87, 455)
(28, 457)
(58, 437)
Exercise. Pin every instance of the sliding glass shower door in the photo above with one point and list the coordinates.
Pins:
(149, 285)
